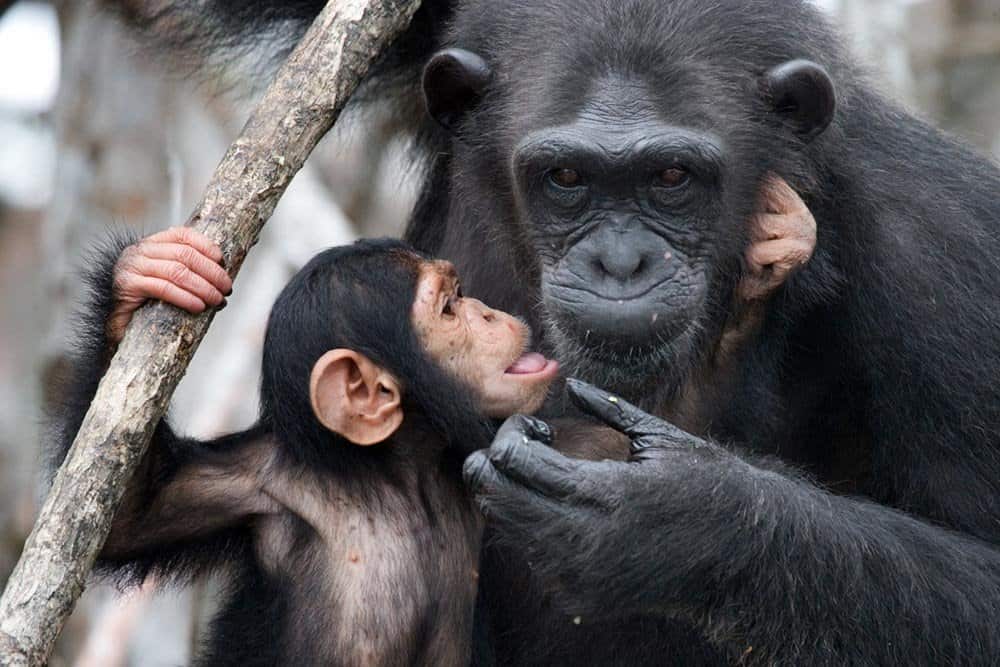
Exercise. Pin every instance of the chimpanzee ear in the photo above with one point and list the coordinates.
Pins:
(454, 81)
(802, 92)
(354, 397)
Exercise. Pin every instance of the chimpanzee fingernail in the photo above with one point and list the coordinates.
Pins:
(225, 302)
(229, 293)
(543, 429)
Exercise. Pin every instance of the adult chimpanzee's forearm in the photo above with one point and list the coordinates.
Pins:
(782, 571)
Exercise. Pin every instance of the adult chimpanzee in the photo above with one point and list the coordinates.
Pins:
(339, 554)
(601, 160)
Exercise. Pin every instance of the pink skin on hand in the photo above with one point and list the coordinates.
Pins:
(179, 266)
(782, 240)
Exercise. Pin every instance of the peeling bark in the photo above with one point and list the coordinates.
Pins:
(295, 113)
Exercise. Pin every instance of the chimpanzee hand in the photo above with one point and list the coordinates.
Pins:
(179, 266)
(596, 533)
(782, 239)
(782, 234)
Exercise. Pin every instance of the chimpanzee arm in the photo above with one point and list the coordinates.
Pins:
(770, 567)
(189, 503)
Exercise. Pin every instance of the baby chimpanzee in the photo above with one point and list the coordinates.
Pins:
(348, 535)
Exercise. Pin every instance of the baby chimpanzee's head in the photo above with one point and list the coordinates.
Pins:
(367, 333)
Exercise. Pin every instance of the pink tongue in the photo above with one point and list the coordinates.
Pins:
(531, 362)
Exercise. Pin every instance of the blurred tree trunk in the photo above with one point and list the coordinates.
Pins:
(111, 121)
(942, 57)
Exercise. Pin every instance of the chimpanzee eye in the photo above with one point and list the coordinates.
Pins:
(674, 177)
(565, 178)
(565, 188)
(448, 310)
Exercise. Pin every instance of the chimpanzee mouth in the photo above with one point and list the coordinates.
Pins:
(620, 355)
(625, 344)
(531, 363)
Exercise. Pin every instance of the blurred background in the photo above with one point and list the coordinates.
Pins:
(95, 131)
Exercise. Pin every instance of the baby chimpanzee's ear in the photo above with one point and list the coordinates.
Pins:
(354, 397)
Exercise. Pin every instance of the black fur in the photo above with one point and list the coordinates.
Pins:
(876, 370)
(91, 352)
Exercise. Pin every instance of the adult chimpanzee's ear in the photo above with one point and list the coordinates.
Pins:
(454, 81)
(354, 397)
(802, 92)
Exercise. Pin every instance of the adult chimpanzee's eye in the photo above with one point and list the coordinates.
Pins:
(565, 188)
(565, 178)
(674, 177)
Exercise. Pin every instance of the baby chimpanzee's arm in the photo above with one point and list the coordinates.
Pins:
(190, 502)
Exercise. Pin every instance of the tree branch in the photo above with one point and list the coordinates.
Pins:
(295, 113)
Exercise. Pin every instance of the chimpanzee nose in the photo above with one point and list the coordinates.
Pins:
(620, 259)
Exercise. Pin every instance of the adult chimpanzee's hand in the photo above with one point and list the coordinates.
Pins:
(609, 538)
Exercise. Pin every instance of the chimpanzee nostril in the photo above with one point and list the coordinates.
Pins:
(489, 316)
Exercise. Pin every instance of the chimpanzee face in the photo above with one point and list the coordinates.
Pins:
(395, 334)
(485, 349)
(620, 204)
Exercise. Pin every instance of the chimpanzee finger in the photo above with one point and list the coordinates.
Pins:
(201, 264)
(781, 255)
(525, 426)
(777, 196)
(537, 429)
(168, 292)
(617, 412)
(179, 275)
(502, 501)
(774, 226)
(536, 465)
(478, 472)
(189, 236)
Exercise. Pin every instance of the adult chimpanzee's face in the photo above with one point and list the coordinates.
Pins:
(486, 349)
(633, 163)
(619, 202)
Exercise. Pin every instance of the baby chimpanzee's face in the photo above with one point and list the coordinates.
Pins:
(484, 348)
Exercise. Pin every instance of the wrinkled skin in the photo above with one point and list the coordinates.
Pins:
(180, 266)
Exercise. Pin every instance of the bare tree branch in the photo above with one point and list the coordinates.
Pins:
(296, 111)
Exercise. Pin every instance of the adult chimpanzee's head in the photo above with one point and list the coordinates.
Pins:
(624, 143)
(366, 334)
